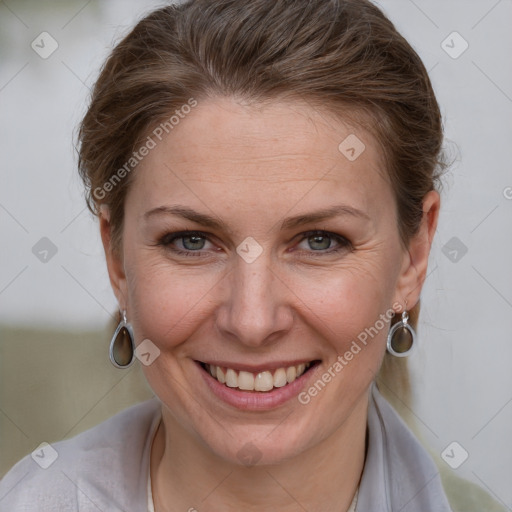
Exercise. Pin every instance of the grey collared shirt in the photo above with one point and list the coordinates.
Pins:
(399, 475)
(106, 468)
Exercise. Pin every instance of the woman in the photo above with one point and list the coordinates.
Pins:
(264, 173)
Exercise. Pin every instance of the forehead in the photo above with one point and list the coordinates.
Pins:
(283, 152)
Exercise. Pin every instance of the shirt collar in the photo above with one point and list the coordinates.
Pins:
(399, 474)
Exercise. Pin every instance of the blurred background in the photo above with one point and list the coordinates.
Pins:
(56, 306)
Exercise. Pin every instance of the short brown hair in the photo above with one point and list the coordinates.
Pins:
(344, 55)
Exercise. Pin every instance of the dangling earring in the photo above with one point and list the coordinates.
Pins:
(122, 351)
(401, 337)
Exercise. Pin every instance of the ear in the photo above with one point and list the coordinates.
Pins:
(415, 262)
(115, 265)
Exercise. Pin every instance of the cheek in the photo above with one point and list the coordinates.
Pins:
(343, 302)
(166, 303)
(349, 311)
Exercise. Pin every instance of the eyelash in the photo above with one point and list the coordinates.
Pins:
(169, 238)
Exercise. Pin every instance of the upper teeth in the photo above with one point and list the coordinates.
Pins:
(262, 381)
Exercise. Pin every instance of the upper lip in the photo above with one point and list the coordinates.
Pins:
(253, 368)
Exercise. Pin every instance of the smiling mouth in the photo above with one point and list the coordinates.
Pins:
(263, 381)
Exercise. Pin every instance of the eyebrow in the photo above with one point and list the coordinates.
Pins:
(288, 223)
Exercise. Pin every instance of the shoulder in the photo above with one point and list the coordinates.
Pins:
(102, 468)
(407, 477)
(410, 464)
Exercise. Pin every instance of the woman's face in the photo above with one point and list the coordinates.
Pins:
(259, 286)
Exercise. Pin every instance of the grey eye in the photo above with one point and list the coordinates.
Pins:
(193, 242)
(319, 242)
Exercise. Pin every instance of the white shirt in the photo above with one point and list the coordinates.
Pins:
(107, 468)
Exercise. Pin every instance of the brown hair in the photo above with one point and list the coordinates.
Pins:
(343, 55)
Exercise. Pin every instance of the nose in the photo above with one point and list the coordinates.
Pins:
(256, 310)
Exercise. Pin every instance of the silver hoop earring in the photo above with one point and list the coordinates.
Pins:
(122, 345)
(401, 337)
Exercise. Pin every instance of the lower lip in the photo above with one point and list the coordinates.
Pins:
(256, 400)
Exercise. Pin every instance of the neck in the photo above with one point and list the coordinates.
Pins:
(187, 476)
